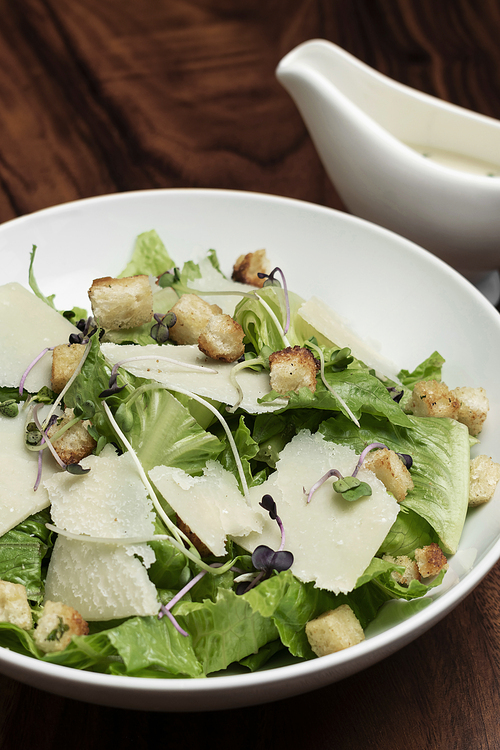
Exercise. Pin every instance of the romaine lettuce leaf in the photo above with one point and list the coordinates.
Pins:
(149, 257)
(429, 369)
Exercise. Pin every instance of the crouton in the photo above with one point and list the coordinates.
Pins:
(222, 338)
(14, 606)
(65, 359)
(57, 625)
(430, 560)
(75, 443)
(411, 571)
(195, 540)
(193, 314)
(121, 303)
(292, 369)
(247, 268)
(388, 467)
(473, 409)
(431, 398)
(484, 477)
(334, 630)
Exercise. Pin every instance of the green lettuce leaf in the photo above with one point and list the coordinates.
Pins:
(149, 257)
(429, 369)
(22, 551)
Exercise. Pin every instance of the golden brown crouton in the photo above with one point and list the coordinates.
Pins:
(65, 359)
(411, 571)
(484, 477)
(121, 303)
(247, 268)
(14, 607)
(75, 443)
(433, 399)
(193, 314)
(388, 467)
(473, 409)
(292, 369)
(430, 560)
(222, 338)
(56, 627)
(195, 540)
(334, 630)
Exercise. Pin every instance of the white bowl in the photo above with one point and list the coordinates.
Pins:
(392, 292)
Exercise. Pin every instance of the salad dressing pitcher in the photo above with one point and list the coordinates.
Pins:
(412, 163)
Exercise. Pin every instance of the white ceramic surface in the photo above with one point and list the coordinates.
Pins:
(361, 123)
(391, 291)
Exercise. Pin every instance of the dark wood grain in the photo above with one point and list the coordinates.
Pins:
(101, 96)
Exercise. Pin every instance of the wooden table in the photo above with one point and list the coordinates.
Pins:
(100, 96)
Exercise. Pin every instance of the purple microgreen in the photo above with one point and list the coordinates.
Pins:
(245, 586)
(39, 473)
(396, 394)
(160, 332)
(87, 329)
(76, 470)
(43, 434)
(173, 621)
(371, 447)
(406, 459)
(30, 367)
(169, 278)
(317, 485)
(165, 608)
(271, 281)
(268, 504)
(9, 408)
(267, 560)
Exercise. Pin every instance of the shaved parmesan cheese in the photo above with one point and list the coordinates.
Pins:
(212, 505)
(109, 501)
(336, 329)
(216, 386)
(18, 472)
(332, 540)
(27, 326)
(102, 582)
(213, 281)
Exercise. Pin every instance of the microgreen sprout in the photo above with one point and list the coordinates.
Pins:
(87, 328)
(160, 332)
(271, 281)
(264, 559)
(169, 278)
(9, 408)
(327, 385)
(351, 488)
(41, 433)
(396, 393)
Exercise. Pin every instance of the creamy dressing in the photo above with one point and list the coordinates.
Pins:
(454, 160)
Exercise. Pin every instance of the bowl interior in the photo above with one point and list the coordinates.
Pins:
(403, 300)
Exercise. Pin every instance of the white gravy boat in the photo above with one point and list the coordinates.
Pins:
(371, 133)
